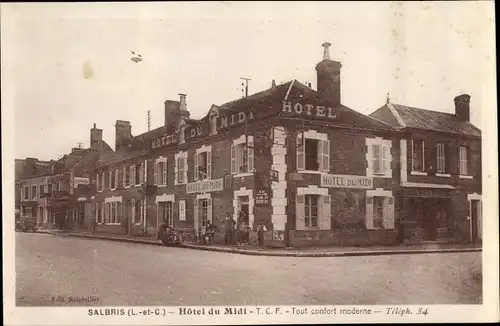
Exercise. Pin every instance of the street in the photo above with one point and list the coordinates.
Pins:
(51, 269)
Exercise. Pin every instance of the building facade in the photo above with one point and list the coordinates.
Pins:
(440, 168)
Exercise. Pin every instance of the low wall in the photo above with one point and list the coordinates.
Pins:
(342, 237)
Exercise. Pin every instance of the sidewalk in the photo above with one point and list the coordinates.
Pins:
(292, 252)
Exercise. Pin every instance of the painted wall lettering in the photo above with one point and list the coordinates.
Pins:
(227, 121)
(309, 109)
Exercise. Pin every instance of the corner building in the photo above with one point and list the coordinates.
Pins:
(294, 159)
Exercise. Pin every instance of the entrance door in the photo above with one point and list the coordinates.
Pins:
(81, 214)
(475, 220)
(429, 219)
(243, 206)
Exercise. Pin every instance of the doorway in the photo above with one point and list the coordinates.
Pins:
(243, 207)
(475, 215)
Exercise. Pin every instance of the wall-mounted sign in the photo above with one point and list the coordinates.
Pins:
(165, 140)
(226, 121)
(192, 131)
(297, 108)
(262, 197)
(205, 186)
(346, 181)
(182, 210)
(80, 181)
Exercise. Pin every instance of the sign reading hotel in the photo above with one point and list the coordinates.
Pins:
(205, 186)
(346, 181)
(318, 111)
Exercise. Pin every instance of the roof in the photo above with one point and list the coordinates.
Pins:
(402, 116)
(121, 155)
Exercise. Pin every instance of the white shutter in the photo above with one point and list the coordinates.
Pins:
(209, 209)
(250, 155)
(387, 157)
(132, 175)
(326, 213)
(369, 160)
(110, 179)
(142, 173)
(301, 157)
(389, 213)
(233, 159)
(156, 173)
(300, 212)
(165, 171)
(377, 158)
(369, 212)
(196, 173)
(103, 177)
(108, 213)
(185, 169)
(209, 165)
(195, 216)
(124, 176)
(117, 180)
(97, 181)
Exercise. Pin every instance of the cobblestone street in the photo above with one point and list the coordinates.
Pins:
(57, 267)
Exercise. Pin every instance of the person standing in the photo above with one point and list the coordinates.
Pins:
(228, 229)
(260, 234)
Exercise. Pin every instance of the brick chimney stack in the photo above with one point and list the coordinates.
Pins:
(123, 134)
(462, 107)
(328, 74)
(95, 135)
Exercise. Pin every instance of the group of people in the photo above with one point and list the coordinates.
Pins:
(239, 231)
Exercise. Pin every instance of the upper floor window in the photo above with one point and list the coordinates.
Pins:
(160, 171)
(26, 193)
(203, 163)
(49, 188)
(33, 192)
(103, 181)
(42, 190)
(464, 160)
(313, 152)
(440, 158)
(181, 167)
(98, 181)
(126, 176)
(138, 173)
(418, 161)
(242, 155)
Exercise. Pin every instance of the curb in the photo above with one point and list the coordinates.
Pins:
(272, 254)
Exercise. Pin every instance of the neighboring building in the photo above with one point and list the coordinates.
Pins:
(440, 171)
(333, 169)
(52, 193)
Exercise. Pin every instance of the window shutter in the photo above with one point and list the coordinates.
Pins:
(195, 176)
(389, 213)
(195, 216)
(369, 212)
(110, 179)
(185, 169)
(369, 160)
(301, 157)
(156, 173)
(165, 171)
(377, 158)
(124, 176)
(209, 165)
(468, 158)
(300, 212)
(326, 213)
(326, 155)
(209, 209)
(142, 171)
(132, 175)
(233, 159)
(319, 154)
(250, 155)
(386, 158)
(107, 215)
(97, 183)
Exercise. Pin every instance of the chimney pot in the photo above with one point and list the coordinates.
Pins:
(328, 77)
(94, 125)
(462, 107)
(326, 51)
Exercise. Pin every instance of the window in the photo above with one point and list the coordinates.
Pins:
(181, 168)
(313, 154)
(97, 182)
(40, 214)
(42, 190)
(418, 155)
(103, 179)
(112, 177)
(311, 211)
(49, 188)
(381, 156)
(50, 218)
(26, 193)
(33, 192)
(58, 186)
(440, 158)
(138, 212)
(242, 156)
(203, 165)
(203, 207)
(161, 171)
(119, 178)
(378, 212)
(463, 160)
(167, 213)
(138, 169)
(98, 213)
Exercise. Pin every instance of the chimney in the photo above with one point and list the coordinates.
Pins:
(95, 135)
(328, 74)
(183, 106)
(123, 134)
(462, 107)
(171, 115)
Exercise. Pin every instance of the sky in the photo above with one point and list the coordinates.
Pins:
(67, 66)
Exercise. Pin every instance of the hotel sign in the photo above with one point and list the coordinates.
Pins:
(319, 111)
(346, 181)
(205, 186)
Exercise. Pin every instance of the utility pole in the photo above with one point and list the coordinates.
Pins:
(149, 120)
(245, 85)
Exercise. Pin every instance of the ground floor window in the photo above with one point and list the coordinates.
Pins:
(311, 211)
(167, 212)
(138, 213)
(203, 207)
(378, 212)
(113, 213)
(99, 215)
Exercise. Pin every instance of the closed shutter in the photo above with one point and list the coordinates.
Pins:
(107, 217)
(301, 157)
(377, 159)
(300, 212)
(233, 159)
(326, 213)
(369, 212)
(155, 168)
(165, 171)
(209, 209)
(387, 157)
(209, 165)
(326, 155)
(97, 183)
(103, 177)
(196, 173)
(184, 168)
(369, 160)
(389, 213)
(250, 155)
(132, 175)
(195, 216)
(110, 185)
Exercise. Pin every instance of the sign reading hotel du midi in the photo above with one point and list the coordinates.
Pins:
(205, 186)
(346, 181)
